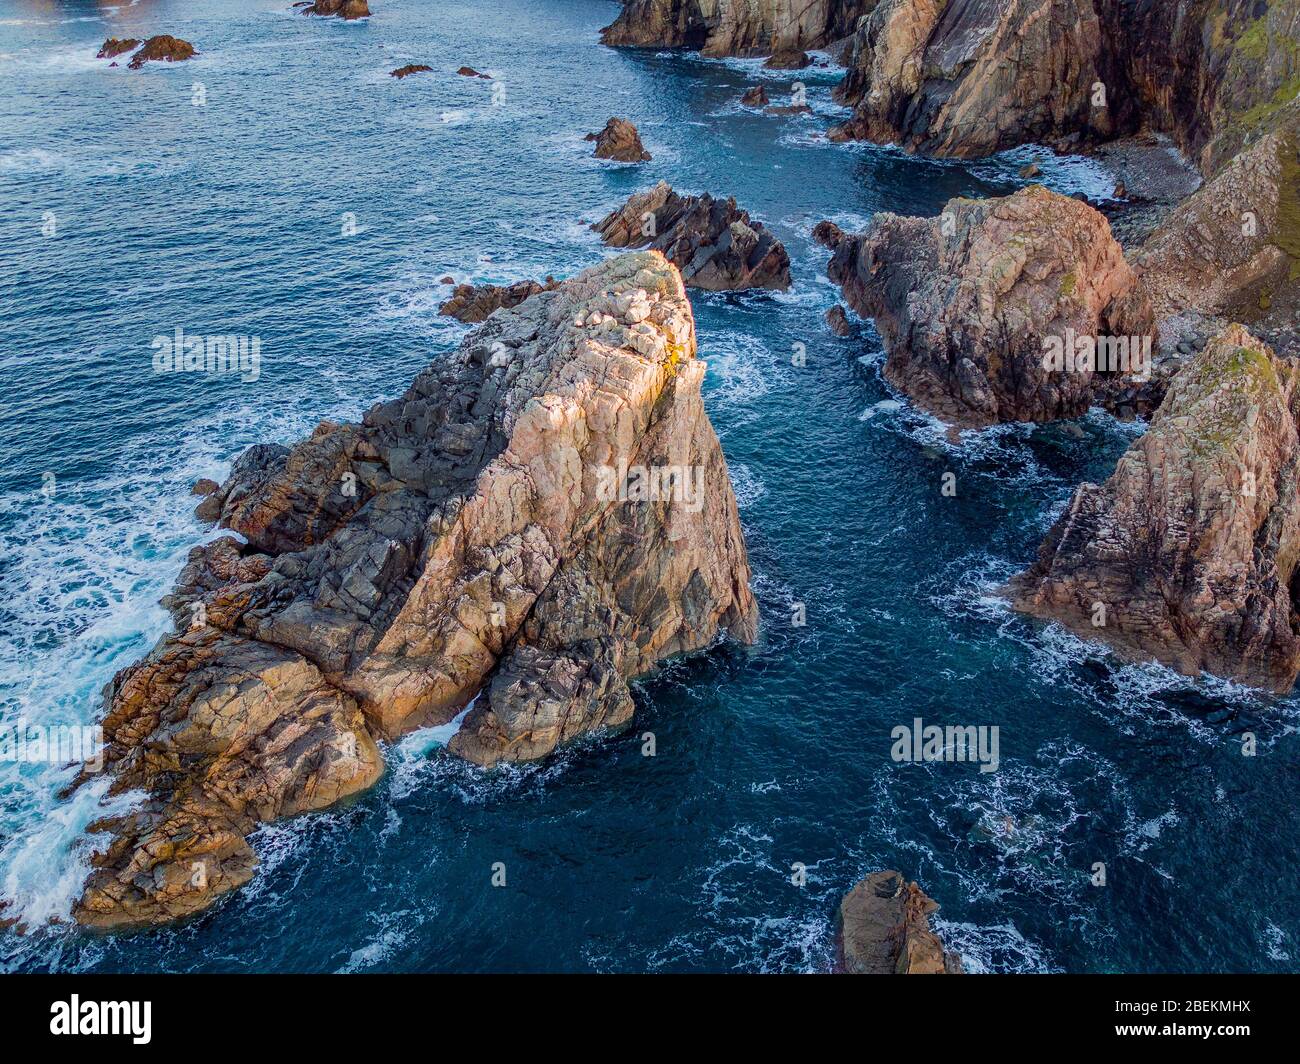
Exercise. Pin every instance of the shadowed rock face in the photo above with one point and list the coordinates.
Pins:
(967, 302)
(734, 27)
(620, 141)
(714, 243)
(476, 303)
(468, 538)
(969, 77)
(1187, 554)
(883, 928)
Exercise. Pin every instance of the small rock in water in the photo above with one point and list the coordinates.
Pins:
(755, 97)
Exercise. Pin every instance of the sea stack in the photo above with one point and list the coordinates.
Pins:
(883, 928)
(543, 516)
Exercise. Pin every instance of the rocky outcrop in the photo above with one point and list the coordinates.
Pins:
(714, 243)
(470, 72)
(755, 97)
(620, 141)
(1188, 553)
(999, 309)
(1231, 250)
(113, 47)
(345, 9)
(970, 77)
(735, 27)
(162, 48)
(883, 928)
(544, 515)
(409, 69)
(475, 303)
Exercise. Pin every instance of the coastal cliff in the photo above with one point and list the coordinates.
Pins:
(735, 27)
(502, 536)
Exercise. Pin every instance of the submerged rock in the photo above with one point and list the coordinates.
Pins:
(986, 309)
(113, 47)
(883, 928)
(164, 48)
(409, 69)
(620, 141)
(734, 27)
(345, 9)
(489, 533)
(1188, 553)
(475, 303)
(714, 243)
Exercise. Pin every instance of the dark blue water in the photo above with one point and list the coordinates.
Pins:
(228, 218)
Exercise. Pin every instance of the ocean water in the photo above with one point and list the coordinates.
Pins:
(229, 216)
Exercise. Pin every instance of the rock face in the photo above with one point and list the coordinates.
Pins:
(113, 47)
(714, 243)
(1232, 249)
(883, 928)
(409, 69)
(969, 77)
(734, 27)
(475, 303)
(1187, 554)
(620, 141)
(971, 304)
(346, 9)
(505, 529)
(163, 48)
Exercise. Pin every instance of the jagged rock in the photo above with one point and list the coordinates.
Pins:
(790, 109)
(163, 48)
(1187, 554)
(838, 321)
(480, 535)
(969, 77)
(1232, 248)
(734, 27)
(714, 243)
(1029, 170)
(620, 141)
(470, 72)
(968, 304)
(113, 47)
(755, 97)
(883, 928)
(475, 303)
(345, 9)
(790, 59)
(409, 69)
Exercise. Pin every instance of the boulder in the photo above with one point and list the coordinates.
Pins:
(1000, 309)
(755, 97)
(503, 531)
(620, 141)
(475, 303)
(1187, 554)
(883, 928)
(790, 59)
(714, 243)
(470, 72)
